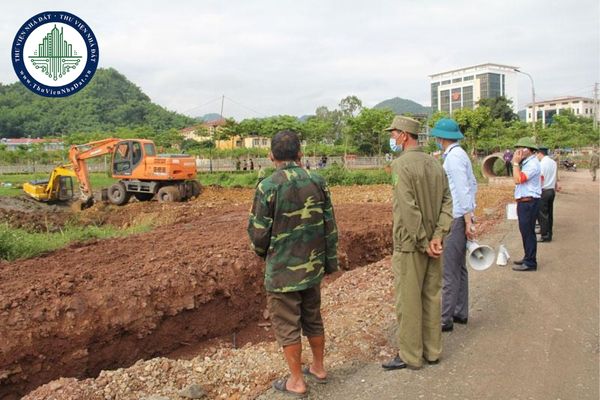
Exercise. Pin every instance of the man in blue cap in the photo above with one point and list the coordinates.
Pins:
(528, 190)
(463, 187)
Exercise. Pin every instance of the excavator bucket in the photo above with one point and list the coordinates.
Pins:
(80, 205)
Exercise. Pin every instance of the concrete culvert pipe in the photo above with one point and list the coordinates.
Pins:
(487, 166)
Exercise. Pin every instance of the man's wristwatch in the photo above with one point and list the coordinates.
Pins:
(516, 164)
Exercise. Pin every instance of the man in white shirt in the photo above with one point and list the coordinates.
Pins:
(463, 187)
(549, 187)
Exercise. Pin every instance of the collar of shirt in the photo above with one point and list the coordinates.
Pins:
(416, 148)
(453, 145)
(288, 164)
(525, 161)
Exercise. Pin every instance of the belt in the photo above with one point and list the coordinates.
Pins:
(545, 190)
(524, 199)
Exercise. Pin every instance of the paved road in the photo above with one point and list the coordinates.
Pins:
(531, 335)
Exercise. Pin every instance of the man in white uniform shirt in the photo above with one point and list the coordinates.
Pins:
(549, 187)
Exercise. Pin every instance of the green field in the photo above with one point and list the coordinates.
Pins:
(335, 175)
(99, 180)
(18, 243)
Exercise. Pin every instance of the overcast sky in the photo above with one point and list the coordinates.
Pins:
(289, 57)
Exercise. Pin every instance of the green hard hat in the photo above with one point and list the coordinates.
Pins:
(447, 128)
(527, 142)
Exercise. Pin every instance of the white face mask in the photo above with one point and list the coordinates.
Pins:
(395, 148)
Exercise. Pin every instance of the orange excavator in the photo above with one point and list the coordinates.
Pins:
(141, 172)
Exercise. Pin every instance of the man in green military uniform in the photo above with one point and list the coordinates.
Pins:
(292, 226)
(422, 217)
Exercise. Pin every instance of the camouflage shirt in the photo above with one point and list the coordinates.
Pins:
(292, 226)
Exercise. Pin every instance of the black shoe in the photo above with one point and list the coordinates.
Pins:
(459, 320)
(524, 268)
(518, 262)
(447, 327)
(544, 239)
(394, 363)
(433, 362)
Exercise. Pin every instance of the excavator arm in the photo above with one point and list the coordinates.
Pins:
(79, 154)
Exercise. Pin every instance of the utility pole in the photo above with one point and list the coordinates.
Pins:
(533, 113)
(596, 116)
(222, 103)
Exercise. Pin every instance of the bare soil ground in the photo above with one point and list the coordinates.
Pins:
(106, 304)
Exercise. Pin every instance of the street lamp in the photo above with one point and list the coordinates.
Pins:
(533, 113)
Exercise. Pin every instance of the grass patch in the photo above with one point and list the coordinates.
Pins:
(335, 175)
(18, 243)
(10, 184)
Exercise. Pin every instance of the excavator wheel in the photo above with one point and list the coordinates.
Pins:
(196, 189)
(143, 196)
(168, 194)
(118, 195)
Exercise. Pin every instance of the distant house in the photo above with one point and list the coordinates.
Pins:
(215, 126)
(203, 132)
(260, 142)
(231, 143)
(193, 133)
(47, 144)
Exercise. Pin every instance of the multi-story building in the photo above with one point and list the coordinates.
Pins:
(546, 110)
(463, 88)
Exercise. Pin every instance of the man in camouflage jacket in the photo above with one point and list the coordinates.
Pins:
(292, 226)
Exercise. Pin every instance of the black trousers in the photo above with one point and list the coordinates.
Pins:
(546, 213)
(527, 213)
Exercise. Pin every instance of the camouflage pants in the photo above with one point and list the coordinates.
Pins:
(418, 283)
(593, 171)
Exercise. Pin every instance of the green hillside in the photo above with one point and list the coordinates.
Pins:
(403, 106)
(110, 101)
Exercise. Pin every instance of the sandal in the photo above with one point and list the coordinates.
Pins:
(280, 386)
(307, 372)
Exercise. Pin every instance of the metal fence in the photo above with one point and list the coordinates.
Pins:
(229, 164)
(41, 168)
(217, 164)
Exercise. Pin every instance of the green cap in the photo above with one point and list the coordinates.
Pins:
(405, 124)
(527, 142)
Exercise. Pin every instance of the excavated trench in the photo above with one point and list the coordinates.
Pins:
(106, 304)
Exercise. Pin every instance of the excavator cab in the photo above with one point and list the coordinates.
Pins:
(65, 188)
(126, 157)
(58, 187)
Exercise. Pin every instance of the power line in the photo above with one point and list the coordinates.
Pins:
(245, 107)
(202, 105)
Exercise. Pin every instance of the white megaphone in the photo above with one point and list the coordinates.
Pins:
(503, 256)
(480, 257)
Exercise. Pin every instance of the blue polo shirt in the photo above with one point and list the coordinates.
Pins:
(532, 187)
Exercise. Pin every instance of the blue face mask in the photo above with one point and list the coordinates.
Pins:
(439, 146)
(394, 147)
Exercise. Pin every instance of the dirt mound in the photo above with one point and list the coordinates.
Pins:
(25, 213)
(106, 304)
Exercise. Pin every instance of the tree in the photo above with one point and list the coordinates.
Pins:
(350, 106)
(471, 122)
(367, 129)
(500, 108)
